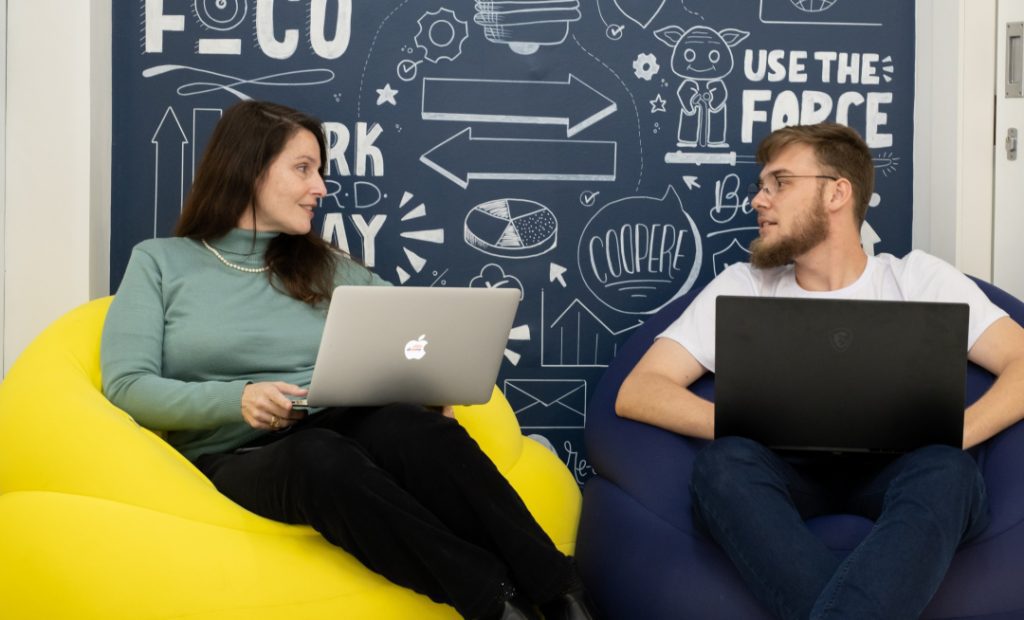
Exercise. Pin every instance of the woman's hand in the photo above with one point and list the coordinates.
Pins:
(267, 405)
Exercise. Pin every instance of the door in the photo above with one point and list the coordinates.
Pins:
(1008, 216)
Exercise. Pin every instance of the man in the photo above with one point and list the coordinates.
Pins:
(811, 200)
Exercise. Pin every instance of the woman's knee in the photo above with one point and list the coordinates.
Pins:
(324, 455)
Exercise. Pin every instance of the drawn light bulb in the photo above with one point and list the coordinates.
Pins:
(527, 25)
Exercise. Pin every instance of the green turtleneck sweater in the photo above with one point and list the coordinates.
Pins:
(186, 333)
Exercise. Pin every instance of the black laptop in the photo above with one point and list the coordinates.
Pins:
(840, 375)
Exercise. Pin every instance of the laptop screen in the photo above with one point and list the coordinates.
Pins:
(840, 375)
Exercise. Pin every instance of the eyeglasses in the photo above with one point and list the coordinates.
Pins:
(775, 183)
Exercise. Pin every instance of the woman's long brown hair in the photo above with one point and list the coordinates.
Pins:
(244, 144)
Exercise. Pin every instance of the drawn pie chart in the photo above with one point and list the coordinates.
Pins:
(511, 228)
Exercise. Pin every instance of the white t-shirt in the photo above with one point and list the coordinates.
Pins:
(916, 277)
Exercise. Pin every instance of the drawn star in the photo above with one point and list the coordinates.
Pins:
(657, 104)
(386, 95)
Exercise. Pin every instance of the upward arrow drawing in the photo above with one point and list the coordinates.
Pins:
(572, 103)
(462, 158)
(170, 170)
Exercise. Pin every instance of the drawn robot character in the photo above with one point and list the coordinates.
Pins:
(702, 57)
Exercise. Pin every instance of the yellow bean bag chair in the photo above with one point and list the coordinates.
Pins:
(100, 518)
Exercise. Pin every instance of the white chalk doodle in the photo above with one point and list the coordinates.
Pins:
(220, 15)
(441, 35)
(640, 12)
(702, 57)
(869, 238)
(333, 195)
(511, 228)
(580, 468)
(301, 77)
(386, 95)
(632, 100)
(462, 158)
(645, 66)
(730, 199)
(588, 198)
(493, 275)
(557, 272)
(638, 253)
(527, 25)
(697, 159)
(366, 194)
(169, 170)
(572, 103)
(732, 253)
(886, 163)
(519, 333)
(577, 338)
(544, 441)
(338, 228)
(658, 104)
(613, 31)
(222, 47)
(821, 12)
(548, 403)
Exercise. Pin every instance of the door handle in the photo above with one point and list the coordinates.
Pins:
(1011, 144)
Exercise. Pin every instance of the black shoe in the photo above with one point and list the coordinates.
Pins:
(512, 606)
(569, 606)
(514, 611)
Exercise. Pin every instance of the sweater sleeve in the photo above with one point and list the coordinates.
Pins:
(350, 272)
(131, 354)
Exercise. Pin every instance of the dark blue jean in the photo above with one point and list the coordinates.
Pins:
(753, 502)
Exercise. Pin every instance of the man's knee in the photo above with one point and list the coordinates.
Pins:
(947, 466)
(724, 462)
(948, 482)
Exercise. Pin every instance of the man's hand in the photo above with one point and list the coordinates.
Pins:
(266, 405)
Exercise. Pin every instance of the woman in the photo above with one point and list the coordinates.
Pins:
(215, 331)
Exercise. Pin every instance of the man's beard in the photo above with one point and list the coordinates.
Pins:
(810, 231)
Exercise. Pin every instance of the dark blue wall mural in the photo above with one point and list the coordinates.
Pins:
(593, 154)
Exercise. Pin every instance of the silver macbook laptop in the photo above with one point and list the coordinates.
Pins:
(431, 346)
(840, 375)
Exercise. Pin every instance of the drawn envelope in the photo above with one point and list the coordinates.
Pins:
(548, 403)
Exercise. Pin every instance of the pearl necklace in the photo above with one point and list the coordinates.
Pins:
(234, 265)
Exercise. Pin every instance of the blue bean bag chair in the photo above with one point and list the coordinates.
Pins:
(642, 557)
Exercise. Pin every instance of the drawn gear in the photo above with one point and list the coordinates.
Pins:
(448, 50)
(646, 66)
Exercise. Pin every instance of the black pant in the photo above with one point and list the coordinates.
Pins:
(406, 491)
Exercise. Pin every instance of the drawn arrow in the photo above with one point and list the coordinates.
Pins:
(463, 158)
(556, 272)
(573, 103)
(171, 170)
(691, 182)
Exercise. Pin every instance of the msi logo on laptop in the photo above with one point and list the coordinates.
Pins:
(841, 339)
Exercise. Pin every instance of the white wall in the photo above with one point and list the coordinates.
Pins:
(57, 162)
(58, 151)
(953, 141)
(3, 153)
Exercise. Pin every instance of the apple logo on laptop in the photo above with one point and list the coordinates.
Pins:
(416, 349)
